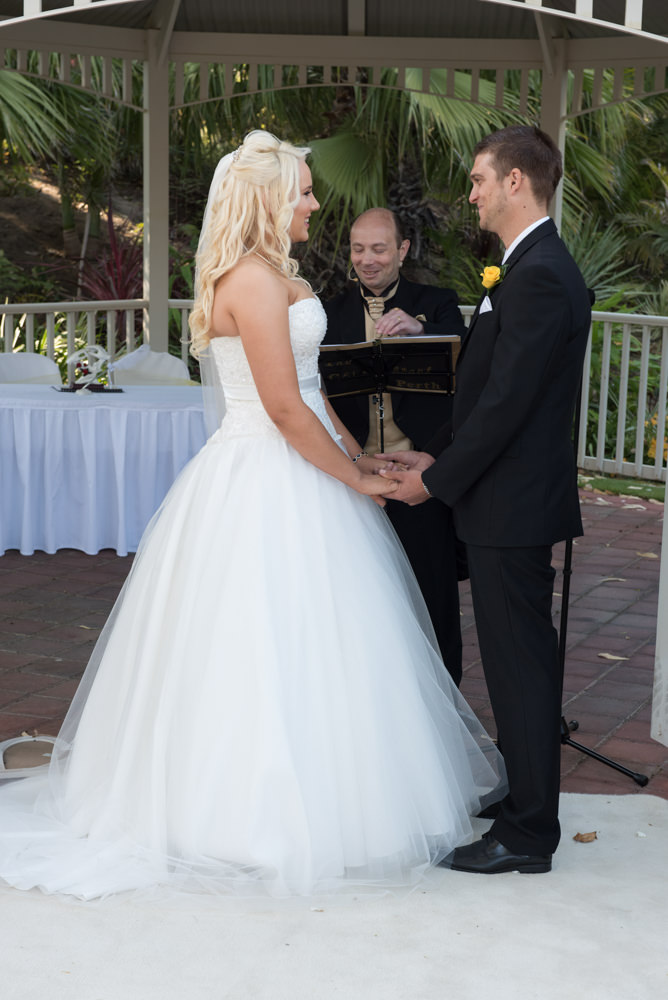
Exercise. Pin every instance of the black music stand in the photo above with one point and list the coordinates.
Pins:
(399, 364)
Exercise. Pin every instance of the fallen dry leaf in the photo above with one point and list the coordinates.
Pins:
(585, 838)
(633, 506)
(611, 656)
(647, 555)
(613, 579)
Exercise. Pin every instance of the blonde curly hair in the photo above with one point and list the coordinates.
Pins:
(251, 203)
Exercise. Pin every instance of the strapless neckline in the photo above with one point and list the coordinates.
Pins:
(307, 298)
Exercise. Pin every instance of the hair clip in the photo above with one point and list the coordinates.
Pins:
(235, 154)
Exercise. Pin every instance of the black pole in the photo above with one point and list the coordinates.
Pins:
(568, 727)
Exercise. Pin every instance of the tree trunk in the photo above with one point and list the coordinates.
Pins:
(71, 243)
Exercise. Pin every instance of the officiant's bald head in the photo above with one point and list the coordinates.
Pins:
(377, 248)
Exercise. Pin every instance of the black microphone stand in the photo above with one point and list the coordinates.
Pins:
(568, 727)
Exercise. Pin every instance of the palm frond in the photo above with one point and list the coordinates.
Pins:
(30, 124)
(349, 177)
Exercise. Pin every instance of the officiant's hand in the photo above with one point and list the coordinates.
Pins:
(418, 460)
(407, 486)
(397, 323)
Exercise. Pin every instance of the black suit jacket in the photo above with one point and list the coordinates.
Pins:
(416, 414)
(506, 463)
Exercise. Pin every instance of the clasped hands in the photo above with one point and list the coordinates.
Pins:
(403, 470)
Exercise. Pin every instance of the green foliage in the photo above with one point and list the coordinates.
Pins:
(17, 285)
(30, 124)
(598, 251)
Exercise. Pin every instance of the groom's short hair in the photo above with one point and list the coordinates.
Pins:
(530, 150)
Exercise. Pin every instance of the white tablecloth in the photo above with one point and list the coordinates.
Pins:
(88, 472)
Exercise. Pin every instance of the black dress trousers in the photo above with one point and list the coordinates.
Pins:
(512, 602)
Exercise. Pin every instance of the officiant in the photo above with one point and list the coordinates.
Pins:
(381, 302)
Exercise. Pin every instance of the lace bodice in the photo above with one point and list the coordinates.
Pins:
(244, 412)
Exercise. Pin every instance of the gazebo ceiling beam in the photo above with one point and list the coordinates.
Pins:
(351, 50)
(162, 18)
(584, 10)
(545, 39)
(86, 39)
(459, 53)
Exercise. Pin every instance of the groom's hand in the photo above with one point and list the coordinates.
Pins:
(416, 460)
(410, 488)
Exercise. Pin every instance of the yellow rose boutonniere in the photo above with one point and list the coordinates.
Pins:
(491, 276)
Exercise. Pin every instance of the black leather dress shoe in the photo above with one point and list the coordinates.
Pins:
(489, 857)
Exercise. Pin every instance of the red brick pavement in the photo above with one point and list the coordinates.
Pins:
(52, 609)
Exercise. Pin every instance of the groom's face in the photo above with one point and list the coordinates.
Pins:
(489, 194)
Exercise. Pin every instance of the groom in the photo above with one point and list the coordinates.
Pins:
(506, 466)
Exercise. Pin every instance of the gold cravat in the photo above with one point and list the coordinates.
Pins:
(393, 438)
(376, 303)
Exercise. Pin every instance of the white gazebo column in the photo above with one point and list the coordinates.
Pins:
(156, 191)
(660, 696)
(553, 103)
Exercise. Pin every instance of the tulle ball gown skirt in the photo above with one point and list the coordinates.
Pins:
(265, 711)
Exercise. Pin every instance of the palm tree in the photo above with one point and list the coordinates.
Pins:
(30, 125)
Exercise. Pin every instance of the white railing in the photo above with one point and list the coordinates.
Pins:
(60, 328)
(624, 394)
(624, 389)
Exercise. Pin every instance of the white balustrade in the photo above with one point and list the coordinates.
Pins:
(624, 388)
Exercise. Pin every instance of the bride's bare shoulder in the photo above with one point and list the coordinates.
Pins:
(251, 276)
(246, 292)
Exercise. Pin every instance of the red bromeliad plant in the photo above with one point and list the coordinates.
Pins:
(117, 274)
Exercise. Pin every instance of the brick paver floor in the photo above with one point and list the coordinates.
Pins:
(52, 608)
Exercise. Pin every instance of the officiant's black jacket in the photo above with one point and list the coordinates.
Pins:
(426, 531)
(505, 464)
(416, 414)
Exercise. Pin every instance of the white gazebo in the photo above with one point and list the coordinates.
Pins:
(282, 40)
(317, 44)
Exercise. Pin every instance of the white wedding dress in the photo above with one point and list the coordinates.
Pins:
(265, 711)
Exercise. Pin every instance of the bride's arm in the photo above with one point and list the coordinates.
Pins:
(352, 446)
(258, 303)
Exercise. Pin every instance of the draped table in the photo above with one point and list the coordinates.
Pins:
(88, 471)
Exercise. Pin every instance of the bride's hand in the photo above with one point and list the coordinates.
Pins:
(376, 487)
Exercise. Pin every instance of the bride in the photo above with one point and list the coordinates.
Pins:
(265, 710)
